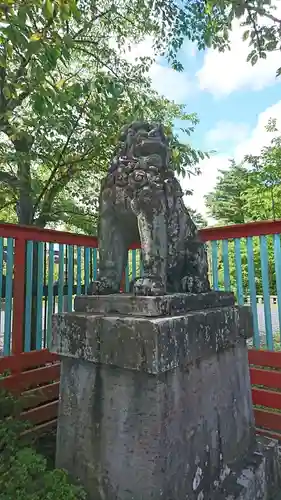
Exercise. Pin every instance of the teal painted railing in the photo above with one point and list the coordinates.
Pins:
(246, 259)
(56, 266)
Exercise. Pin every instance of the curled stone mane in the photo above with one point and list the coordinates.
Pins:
(141, 201)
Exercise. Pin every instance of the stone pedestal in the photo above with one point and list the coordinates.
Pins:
(155, 399)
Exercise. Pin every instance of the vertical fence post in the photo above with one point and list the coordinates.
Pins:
(238, 265)
(252, 290)
(8, 296)
(266, 292)
(28, 295)
(215, 274)
(225, 259)
(19, 291)
(277, 263)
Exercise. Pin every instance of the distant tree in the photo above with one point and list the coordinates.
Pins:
(197, 217)
(263, 200)
(226, 202)
(249, 192)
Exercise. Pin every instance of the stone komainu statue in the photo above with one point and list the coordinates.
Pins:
(141, 201)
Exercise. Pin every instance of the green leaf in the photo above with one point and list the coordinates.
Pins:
(35, 37)
(254, 59)
(34, 46)
(74, 10)
(208, 8)
(6, 92)
(48, 9)
(68, 40)
(65, 11)
(60, 83)
(246, 35)
(38, 103)
(9, 49)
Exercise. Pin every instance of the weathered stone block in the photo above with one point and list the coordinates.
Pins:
(130, 435)
(165, 305)
(150, 344)
(156, 406)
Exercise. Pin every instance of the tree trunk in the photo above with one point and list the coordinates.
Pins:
(25, 202)
(34, 296)
(25, 215)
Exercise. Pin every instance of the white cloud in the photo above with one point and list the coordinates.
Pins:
(225, 131)
(167, 82)
(225, 72)
(252, 144)
(189, 48)
(172, 84)
(259, 137)
(141, 49)
(205, 182)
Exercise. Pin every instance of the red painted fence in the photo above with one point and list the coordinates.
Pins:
(35, 374)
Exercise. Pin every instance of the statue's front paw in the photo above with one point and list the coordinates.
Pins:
(187, 284)
(195, 284)
(149, 286)
(102, 287)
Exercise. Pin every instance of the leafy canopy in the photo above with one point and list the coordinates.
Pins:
(226, 202)
(208, 23)
(66, 89)
(251, 190)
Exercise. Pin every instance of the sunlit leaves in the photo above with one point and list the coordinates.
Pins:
(68, 87)
(250, 191)
(226, 202)
(209, 24)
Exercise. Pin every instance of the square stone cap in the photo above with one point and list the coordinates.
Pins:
(165, 305)
(150, 344)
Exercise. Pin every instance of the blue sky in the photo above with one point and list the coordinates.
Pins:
(233, 100)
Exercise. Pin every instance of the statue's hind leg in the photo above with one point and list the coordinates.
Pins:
(152, 224)
(196, 278)
(113, 252)
(112, 259)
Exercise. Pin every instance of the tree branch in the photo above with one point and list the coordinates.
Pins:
(259, 44)
(11, 180)
(6, 205)
(58, 164)
(14, 103)
(100, 61)
(262, 12)
(93, 19)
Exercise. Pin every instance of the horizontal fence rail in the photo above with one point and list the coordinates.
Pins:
(42, 270)
(35, 376)
(265, 374)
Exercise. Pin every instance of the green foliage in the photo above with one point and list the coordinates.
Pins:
(23, 472)
(226, 202)
(250, 192)
(265, 182)
(197, 217)
(209, 24)
(67, 88)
